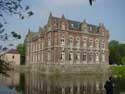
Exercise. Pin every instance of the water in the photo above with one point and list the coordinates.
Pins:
(36, 83)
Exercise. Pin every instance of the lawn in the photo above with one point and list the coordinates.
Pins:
(118, 70)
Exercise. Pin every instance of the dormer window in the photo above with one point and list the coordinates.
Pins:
(72, 25)
(63, 26)
(90, 28)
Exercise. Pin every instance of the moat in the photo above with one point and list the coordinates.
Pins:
(36, 83)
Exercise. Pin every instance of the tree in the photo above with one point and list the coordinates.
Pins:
(21, 50)
(12, 7)
(4, 67)
(116, 52)
(122, 51)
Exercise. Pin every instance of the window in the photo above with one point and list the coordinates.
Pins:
(62, 40)
(71, 41)
(13, 57)
(49, 39)
(90, 57)
(84, 42)
(70, 56)
(103, 33)
(42, 45)
(62, 56)
(78, 42)
(90, 28)
(103, 58)
(49, 55)
(77, 56)
(102, 45)
(90, 43)
(84, 57)
(39, 45)
(97, 57)
(49, 42)
(63, 26)
(72, 25)
(97, 44)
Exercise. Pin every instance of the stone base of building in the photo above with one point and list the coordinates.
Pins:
(69, 68)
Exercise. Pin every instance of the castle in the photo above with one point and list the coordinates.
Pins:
(63, 41)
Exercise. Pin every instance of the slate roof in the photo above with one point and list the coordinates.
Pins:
(74, 25)
(13, 51)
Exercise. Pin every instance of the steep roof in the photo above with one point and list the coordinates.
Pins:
(75, 25)
(13, 51)
(10, 51)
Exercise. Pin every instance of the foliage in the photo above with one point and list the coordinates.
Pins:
(90, 1)
(21, 50)
(4, 67)
(123, 60)
(116, 52)
(22, 83)
(119, 85)
(9, 8)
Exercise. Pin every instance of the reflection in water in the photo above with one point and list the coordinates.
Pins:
(73, 84)
(35, 83)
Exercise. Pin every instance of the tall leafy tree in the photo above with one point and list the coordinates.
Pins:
(21, 50)
(116, 52)
(10, 8)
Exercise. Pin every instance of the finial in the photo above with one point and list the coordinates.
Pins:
(50, 15)
(29, 30)
(101, 24)
(63, 16)
(84, 21)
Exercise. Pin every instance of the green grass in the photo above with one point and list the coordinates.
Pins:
(118, 70)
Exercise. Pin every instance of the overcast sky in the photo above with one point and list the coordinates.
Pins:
(110, 12)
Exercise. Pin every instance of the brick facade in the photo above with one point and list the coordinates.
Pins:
(63, 41)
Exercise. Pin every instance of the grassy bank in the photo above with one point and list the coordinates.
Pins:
(118, 70)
